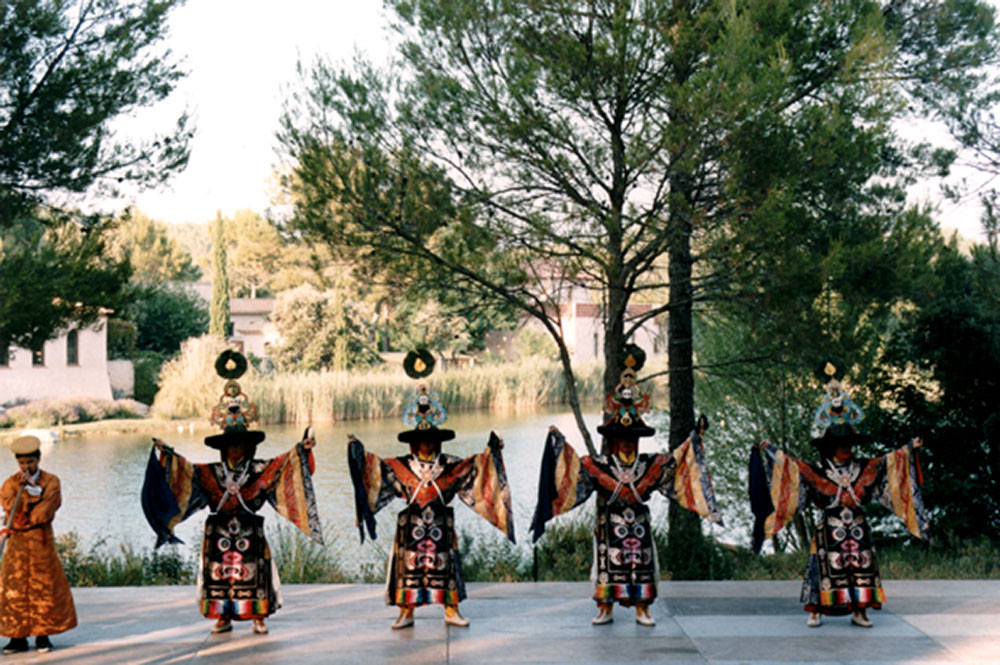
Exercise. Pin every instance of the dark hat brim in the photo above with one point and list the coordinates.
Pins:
(247, 438)
(637, 431)
(432, 434)
(836, 440)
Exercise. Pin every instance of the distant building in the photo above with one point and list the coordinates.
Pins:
(253, 331)
(74, 364)
(581, 319)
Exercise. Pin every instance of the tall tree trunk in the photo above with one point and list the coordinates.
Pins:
(687, 555)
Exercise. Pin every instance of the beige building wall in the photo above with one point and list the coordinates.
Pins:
(56, 375)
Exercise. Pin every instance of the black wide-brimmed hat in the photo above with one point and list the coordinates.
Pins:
(624, 406)
(235, 434)
(424, 412)
(840, 434)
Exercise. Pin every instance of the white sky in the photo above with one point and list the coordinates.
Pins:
(240, 54)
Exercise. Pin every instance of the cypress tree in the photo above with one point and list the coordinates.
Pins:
(219, 309)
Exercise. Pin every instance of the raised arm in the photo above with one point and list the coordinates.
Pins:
(288, 486)
(373, 488)
(777, 491)
(485, 489)
(682, 476)
(562, 485)
(170, 492)
(898, 488)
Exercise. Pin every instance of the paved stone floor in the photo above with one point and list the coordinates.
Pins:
(724, 623)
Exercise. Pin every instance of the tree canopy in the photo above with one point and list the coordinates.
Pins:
(69, 71)
(720, 153)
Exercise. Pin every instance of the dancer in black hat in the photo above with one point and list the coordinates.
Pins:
(237, 579)
(625, 563)
(842, 575)
(425, 566)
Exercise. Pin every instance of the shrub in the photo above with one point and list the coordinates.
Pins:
(102, 565)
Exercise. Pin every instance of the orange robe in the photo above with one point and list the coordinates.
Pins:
(34, 595)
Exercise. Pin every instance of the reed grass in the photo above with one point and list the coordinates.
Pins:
(189, 387)
(301, 561)
(104, 565)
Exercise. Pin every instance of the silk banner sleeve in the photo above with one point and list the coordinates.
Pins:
(371, 487)
(170, 494)
(485, 488)
(562, 485)
(899, 490)
(291, 492)
(685, 479)
(776, 491)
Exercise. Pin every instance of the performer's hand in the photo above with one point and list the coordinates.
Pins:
(158, 443)
(309, 439)
(350, 439)
(918, 442)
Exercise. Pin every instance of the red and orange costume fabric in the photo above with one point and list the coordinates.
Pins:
(842, 572)
(35, 598)
(237, 577)
(425, 566)
(625, 562)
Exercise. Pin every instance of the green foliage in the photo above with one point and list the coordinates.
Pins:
(219, 321)
(950, 344)
(154, 255)
(55, 275)
(146, 367)
(102, 565)
(49, 412)
(323, 331)
(69, 70)
(121, 339)
(301, 561)
(254, 254)
(530, 343)
(165, 316)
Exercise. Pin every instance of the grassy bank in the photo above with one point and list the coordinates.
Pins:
(189, 388)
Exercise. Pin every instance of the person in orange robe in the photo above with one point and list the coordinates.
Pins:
(35, 599)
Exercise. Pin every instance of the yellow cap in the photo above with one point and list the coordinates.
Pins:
(25, 445)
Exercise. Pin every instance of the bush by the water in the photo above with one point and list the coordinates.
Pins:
(49, 412)
(105, 565)
(189, 387)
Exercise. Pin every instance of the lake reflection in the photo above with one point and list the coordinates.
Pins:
(102, 476)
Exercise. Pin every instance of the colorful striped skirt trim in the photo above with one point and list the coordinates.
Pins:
(611, 592)
(855, 597)
(426, 596)
(235, 609)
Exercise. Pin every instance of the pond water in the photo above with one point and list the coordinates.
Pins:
(102, 476)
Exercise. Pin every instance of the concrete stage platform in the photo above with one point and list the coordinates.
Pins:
(724, 623)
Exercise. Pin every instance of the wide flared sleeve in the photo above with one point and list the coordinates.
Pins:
(371, 478)
(485, 489)
(287, 483)
(777, 490)
(170, 493)
(898, 489)
(682, 476)
(562, 484)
